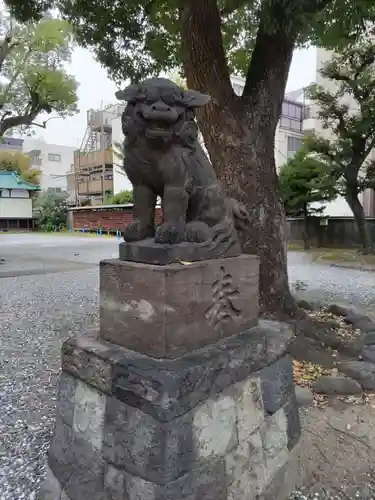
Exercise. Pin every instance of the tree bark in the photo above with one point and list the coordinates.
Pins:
(360, 219)
(239, 133)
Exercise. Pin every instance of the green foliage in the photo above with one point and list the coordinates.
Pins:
(16, 161)
(32, 66)
(134, 39)
(348, 111)
(341, 23)
(305, 180)
(138, 38)
(120, 198)
(52, 211)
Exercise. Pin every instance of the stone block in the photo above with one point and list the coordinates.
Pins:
(88, 421)
(368, 353)
(362, 371)
(166, 389)
(50, 489)
(204, 483)
(66, 397)
(275, 442)
(277, 384)
(146, 447)
(114, 483)
(148, 252)
(331, 385)
(82, 355)
(288, 477)
(246, 469)
(198, 427)
(369, 339)
(293, 421)
(143, 307)
(78, 466)
(214, 427)
(249, 408)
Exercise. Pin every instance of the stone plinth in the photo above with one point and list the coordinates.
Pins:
(216, 424)
(149, 252)
(167, 311)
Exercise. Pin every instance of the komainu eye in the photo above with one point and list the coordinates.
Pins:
(169, 97)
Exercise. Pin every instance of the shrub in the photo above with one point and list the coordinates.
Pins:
(51, 211)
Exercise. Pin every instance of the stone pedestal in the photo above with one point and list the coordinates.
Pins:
(216, 424)
(167, 311)
(182, 394)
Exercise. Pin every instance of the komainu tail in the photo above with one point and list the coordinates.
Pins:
(241, 215)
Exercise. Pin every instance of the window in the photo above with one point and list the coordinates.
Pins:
(294, 143)
(36, 160)
(292, 110)
(296, 125)
(54, 190)
(307, 113)
(54, 157)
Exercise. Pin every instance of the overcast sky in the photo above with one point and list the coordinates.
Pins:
(96, 89)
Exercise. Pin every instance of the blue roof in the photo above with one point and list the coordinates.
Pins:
(11, 180)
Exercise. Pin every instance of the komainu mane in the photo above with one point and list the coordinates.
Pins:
(163, 158)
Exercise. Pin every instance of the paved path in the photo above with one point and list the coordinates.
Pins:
(48, 292)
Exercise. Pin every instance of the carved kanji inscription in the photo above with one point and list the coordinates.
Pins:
(223, 293)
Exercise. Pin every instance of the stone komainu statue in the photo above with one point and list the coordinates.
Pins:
(163, 157)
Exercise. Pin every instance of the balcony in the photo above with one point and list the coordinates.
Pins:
(93, 159)
(92, 187)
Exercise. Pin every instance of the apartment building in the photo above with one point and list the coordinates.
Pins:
(91, 176)
(312, 124)
(53, 160)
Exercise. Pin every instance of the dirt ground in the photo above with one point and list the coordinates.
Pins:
(337, 452)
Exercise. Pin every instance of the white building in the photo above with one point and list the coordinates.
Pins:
(53, 160)
(120, 180)
(312, 124)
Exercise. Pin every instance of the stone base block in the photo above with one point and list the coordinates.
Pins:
(218, 424)
(149, 252)
(144, 307)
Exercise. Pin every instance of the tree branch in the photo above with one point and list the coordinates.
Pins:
(369, 147)
(6, 48)
(274, 49)
(205, 62)
(17, 121)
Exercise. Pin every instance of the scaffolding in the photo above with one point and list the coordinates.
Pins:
(93, 161)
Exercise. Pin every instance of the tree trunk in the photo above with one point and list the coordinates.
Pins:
(239, 133)
(306, 239)
(360, 219)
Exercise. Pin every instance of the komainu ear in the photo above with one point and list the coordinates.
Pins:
(128, 94)
(194, 99)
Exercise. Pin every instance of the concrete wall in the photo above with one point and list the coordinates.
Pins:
(54, 161)
(16, 208)
(339, 232)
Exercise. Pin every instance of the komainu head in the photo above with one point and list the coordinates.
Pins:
(161, 110)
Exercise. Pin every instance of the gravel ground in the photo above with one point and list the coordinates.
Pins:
(327, 284)
(49, 291)
(37, 313)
